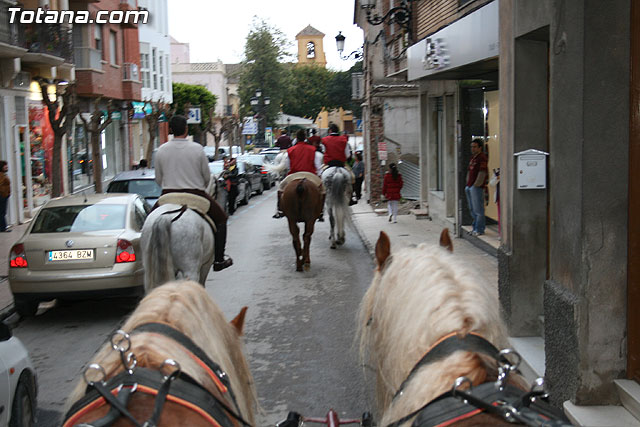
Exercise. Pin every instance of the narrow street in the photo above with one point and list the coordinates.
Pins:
(299, 331)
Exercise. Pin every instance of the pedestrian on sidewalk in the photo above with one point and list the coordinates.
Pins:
(358, 171)
(477, 176)
(391, 187)
(5, 192)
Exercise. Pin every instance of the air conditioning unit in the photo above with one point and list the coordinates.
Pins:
(22, 80)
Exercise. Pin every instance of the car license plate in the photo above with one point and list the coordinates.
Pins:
(71, 255)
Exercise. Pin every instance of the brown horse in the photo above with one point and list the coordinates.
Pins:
(177, 331)
(301, 202)
(426, 321)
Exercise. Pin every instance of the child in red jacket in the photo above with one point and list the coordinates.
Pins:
(391, 190)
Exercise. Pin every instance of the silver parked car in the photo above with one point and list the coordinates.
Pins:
(79, 246)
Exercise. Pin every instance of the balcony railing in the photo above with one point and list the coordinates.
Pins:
(50, 39)
(86, 57)
(12, 34)
(130, 71)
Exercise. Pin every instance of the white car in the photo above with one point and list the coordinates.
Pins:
(18, 389)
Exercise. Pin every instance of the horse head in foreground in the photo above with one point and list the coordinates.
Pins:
(176, 361)
(428, 325)
(177, 243)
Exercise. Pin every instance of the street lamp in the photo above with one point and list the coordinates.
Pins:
(357, 54)
(259, 106)
(401, 15)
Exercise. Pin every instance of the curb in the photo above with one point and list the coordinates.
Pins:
(365, 241)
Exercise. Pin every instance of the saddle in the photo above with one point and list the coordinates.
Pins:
(196, 203)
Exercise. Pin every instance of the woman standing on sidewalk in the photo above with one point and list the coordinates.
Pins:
(5, 192)
(391, 187)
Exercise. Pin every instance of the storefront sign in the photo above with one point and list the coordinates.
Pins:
(249, 126)
(471, 39)
(141, 109)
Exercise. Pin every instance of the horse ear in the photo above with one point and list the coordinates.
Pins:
(238, 321)
(383, 248)
(445, 240)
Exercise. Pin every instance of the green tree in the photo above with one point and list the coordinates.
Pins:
(309, 86)
(263, 68)
(186, 96)
(339, 90)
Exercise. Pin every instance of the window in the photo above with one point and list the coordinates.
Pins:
(80, 218)
(311, 50)
(144, 70)
(97, 35)
(161, 69)
(113, 54)
(154, 67)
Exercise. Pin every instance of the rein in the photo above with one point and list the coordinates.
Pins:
(187, 392)
(497, 398)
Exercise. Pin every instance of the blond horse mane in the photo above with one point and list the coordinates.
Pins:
(187, 307)
(417, 296)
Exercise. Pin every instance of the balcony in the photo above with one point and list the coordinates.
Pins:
(130, 72)
(12, 38)
(127, 5)
(87, 58)
(49, 44)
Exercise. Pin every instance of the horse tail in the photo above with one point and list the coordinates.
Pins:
(300, 188)
(338, 196)
(278, 166)
(300, 191)
(158, 260)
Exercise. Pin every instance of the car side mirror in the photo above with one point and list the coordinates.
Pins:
(5, 332)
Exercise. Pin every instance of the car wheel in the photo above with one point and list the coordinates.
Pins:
(266, 185)
(25, 307)
(23, 406)
(260, 189)
(247, 194)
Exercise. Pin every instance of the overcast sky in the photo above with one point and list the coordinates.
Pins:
(218, 29)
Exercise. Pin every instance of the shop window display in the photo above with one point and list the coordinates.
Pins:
(41, 138)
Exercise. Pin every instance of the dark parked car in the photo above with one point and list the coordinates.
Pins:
(259, 160)
(141, 182)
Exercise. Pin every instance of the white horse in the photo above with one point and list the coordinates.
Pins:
(337, 182)
(176, 246)
(279, 166)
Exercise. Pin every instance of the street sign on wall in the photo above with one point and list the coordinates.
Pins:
(194, 116)
(249, 126)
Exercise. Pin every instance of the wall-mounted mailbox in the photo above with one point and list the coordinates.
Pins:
(531, 167)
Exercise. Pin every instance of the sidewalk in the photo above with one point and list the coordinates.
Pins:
(410, 231)
(7, 240)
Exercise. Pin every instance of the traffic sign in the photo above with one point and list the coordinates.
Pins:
(194, 116)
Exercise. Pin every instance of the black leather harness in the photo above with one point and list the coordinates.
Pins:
(498, 398)
(180, 388)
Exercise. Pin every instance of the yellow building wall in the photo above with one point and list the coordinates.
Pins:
(319, 59)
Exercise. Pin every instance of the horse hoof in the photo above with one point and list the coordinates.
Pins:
(333, 246)
(299, 268)
(307, 266)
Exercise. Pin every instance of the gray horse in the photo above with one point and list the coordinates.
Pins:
(175, 247)
(337, 182)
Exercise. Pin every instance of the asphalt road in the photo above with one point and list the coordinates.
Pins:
(299, 330)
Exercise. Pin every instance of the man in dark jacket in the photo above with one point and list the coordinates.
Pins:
(284, 141)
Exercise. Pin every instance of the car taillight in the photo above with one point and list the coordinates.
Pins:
(18, 258)
(264, 171)
(125, 252)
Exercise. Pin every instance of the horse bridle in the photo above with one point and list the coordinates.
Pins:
(177, 386)
(499, 398)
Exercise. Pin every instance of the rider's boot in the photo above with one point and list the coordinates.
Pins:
(279, 213)
(220, 236)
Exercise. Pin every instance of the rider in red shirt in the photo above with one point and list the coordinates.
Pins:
(336, 152)
(301, 158)
(336, 148)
